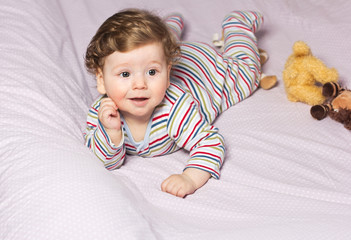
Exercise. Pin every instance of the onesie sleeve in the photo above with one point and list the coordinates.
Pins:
(98, 141)
(191, 131)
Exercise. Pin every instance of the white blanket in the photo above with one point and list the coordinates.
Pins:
(286, 175)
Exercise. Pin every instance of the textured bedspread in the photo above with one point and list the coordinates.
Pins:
(286, 175)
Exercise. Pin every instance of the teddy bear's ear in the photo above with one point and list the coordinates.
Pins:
(343, 116)
(320, 111)
(331, 89)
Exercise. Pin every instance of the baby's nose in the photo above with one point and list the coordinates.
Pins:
(139, 82)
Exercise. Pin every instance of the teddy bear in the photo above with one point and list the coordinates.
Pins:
(338, 107)
(304, 75)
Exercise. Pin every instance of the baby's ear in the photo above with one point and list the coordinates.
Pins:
(100, 82)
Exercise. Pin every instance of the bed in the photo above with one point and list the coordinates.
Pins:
(286, 175)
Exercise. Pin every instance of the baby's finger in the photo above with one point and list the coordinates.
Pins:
(107, 112)
(164, 185)
(181, 193)
(108, 102)
(168, 185)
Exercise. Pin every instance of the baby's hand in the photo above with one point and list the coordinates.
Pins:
(178, 185)
(108, 114)
(186, 183)
(109, 117)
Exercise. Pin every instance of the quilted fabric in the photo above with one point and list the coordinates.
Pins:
(286, 175)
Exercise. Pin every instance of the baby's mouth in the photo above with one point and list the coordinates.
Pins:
(139, 99)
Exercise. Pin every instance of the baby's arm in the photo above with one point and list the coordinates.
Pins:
(186, 183)
(192, 132)
(100, 140)
(109, 117)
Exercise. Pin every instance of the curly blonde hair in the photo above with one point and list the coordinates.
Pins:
(125, 31)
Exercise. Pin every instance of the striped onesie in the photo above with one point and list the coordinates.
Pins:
(204, 83)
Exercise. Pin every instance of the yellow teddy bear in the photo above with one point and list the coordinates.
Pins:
(302, 74)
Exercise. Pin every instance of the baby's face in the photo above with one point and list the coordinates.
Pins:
(136, 80)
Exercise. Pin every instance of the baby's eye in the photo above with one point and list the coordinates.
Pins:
(125, 74)
(152, 72)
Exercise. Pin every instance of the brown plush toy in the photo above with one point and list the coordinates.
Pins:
(338, 107)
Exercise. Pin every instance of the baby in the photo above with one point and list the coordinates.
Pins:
(159, 95)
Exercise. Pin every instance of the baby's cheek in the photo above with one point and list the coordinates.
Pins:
(160, 93)
(116, 98)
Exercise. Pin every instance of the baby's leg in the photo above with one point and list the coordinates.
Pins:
(218, 81)
(241, 54)
(175, 25)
